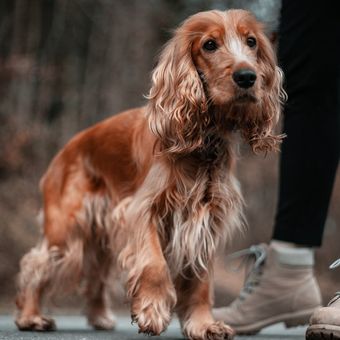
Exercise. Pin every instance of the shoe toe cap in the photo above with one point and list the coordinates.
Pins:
(326, 315)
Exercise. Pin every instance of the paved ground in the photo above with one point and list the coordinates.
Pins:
(75, 328)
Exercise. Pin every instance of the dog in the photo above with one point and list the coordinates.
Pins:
(151, 191)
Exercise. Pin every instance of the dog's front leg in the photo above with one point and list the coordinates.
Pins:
(194, 310)
(151, 289)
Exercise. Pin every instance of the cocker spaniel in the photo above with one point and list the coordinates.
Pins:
(151, 192)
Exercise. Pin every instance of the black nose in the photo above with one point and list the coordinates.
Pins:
(244, 78)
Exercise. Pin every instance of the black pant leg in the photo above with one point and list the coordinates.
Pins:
(309, 55)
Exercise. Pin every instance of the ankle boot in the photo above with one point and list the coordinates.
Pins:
(279, 288)
(325, 321)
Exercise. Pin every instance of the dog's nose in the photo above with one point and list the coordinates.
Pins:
(244, 78)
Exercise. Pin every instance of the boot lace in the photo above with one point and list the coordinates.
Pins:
(254, 273)
(334, 265)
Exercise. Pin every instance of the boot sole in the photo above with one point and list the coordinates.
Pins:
(323, 332)
(300, 318)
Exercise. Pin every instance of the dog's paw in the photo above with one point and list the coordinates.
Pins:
(35, 323)
(104, 321)
(152, 317)
(214, 331)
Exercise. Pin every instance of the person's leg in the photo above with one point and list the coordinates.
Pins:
(310, 153)
(309, 160)
(325, 322)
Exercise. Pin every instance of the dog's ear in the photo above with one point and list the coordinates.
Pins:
(177, 98)
(259, 131)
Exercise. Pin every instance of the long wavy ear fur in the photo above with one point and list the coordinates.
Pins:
(177, 101)
(259, 131)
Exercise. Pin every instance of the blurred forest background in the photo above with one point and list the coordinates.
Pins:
(67, 64)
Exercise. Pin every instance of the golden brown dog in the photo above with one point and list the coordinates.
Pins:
(151, 191)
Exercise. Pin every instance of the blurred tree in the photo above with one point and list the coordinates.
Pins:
(65, 65)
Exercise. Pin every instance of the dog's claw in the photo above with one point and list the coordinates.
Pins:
(133, 319)
(147, 332)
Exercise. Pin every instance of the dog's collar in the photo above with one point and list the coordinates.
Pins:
(211, 149)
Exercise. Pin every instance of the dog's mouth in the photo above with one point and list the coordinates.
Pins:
(245, 98)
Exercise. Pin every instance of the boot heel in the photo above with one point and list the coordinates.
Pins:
(297, 321)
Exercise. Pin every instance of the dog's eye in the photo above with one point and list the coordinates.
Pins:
(251, 42)
(210, 45)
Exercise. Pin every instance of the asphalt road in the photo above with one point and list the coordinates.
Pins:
(75, 328)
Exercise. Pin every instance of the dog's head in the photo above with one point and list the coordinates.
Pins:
(217, 64)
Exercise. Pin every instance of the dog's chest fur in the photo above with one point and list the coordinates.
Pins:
(200, 209)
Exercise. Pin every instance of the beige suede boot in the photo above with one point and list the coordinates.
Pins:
(280, 288)
(325, 321)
